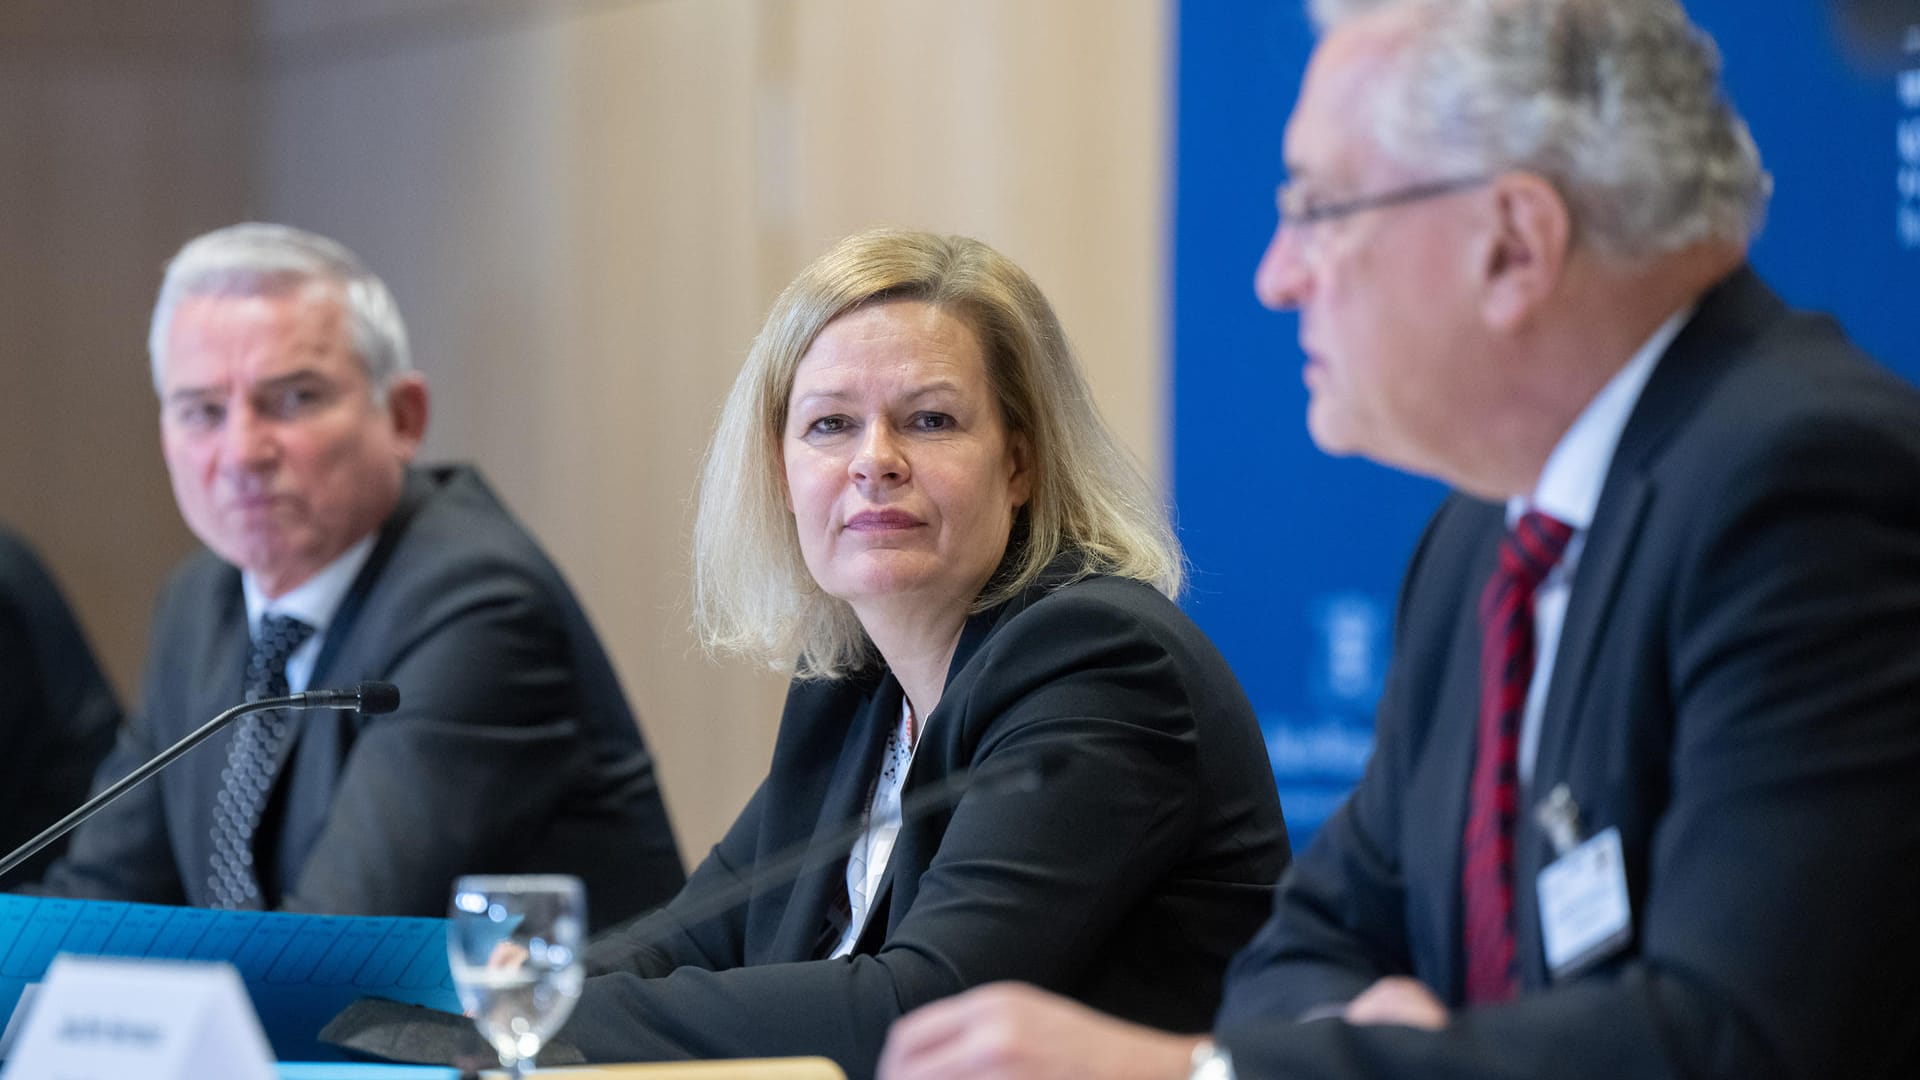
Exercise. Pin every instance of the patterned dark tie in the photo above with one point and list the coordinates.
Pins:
(1506, 671)
(248, 774)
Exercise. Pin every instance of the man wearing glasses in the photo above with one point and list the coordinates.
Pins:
(1645, 798)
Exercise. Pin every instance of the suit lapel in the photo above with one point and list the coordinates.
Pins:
(337, 642)
(1609, 549)
(941, 744)
(1608, 553)
(339, 637)
(807, 926)
(1685, 374)
(1454, 735)
(222, 666)
(218, 658)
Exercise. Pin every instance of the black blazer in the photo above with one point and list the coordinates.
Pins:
(1143, 861)
(1737, 690)
(513, 749)
(57, 714)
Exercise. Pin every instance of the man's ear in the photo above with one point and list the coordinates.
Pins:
(407, 410)
(1533, 229)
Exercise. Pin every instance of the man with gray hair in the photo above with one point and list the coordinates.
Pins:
(290, 415)
(1645, 795)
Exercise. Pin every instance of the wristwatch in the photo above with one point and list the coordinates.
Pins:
(1211, 1062)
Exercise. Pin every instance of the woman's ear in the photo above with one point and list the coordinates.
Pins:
(1020, 463)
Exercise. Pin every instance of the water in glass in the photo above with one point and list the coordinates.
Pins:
(513, 942)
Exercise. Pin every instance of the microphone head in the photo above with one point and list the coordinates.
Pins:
(378, 697)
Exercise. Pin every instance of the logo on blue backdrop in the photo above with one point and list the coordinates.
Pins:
(1906, 139)
(1317, 757)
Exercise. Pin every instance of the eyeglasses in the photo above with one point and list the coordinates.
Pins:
(1298, 208)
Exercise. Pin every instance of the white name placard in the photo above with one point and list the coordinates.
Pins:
(101, 1019)
(18, 1020)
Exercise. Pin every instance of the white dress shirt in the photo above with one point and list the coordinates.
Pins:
(314, 601)
(1569, 490)
(867, 862)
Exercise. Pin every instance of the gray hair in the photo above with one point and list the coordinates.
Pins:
(1616, 102)
(752, 591)
(255, 259)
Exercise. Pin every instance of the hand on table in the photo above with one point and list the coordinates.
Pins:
(1012, 1031)
(506, 956)
(1397, 1000)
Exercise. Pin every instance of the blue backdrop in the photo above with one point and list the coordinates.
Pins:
(1297, 556)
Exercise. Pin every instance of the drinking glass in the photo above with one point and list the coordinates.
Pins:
(513, 942)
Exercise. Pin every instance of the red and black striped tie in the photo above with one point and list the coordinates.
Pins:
(1506, 671)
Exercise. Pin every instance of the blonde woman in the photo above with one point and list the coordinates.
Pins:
(911, 492)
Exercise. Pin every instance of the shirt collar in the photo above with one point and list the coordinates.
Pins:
(1570, 484)
(315, 600)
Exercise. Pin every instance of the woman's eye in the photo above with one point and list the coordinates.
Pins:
(932, 421)
(827, 425)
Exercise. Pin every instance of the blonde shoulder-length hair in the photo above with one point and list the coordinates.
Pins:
(752, 591)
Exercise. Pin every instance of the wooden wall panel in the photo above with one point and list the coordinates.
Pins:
(1038, 127)
(117, 139)
(560, 205)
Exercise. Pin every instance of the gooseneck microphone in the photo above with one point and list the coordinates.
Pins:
(369, 697)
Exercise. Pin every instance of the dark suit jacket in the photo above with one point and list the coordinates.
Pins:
(513, 748)
(57, 714)
(1737, 689)
(1143, 860)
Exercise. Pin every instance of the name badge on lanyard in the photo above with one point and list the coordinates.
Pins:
(1585, 916)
